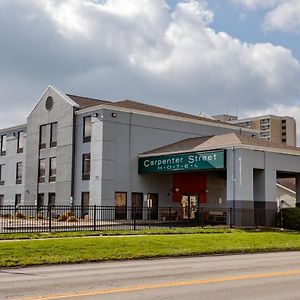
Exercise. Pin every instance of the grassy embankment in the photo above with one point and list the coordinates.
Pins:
(75, 250)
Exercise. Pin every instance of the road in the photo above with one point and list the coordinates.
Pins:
(256, 276)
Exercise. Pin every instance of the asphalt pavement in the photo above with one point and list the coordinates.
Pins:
(252, 276)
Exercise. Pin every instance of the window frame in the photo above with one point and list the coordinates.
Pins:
(2, 181)
(53, 143)
(120, 210)
(42, 178)
(18, 199)
(20, 138)
(19, 178)
(86, 176)
(52, 177)
(43, 138)
(49, 198)
(3, 145)
(87, 138)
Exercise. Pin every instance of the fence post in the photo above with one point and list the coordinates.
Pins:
(95, 216)
(50, 217)
(170, 212)
(202, 216)
(230, 217)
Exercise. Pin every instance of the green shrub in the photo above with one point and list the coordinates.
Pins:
(291, 218)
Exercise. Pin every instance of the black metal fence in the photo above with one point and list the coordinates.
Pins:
(18, 219)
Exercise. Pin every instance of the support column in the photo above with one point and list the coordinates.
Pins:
(265, 197)
(271, 205)
(240, 187)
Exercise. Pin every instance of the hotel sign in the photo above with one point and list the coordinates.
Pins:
(192, 161)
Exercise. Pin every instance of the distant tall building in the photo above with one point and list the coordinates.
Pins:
(272, 128)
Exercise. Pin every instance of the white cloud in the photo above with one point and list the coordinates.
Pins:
(257, 4)
(285, 17)
(282, 15)
(141, 50)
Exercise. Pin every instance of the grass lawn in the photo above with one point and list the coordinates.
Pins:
(49, 235)
(75, 250)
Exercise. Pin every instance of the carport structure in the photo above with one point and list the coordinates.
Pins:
(244, 169)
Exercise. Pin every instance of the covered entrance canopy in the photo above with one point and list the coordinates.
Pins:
(251, 167)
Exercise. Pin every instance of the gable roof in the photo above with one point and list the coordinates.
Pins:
(85, 102)
(220, 142)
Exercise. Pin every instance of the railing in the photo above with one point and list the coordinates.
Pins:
(76, 218)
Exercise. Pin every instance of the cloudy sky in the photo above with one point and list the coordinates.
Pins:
(213, 56)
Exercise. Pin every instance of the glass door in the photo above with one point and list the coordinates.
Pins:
(189, 205)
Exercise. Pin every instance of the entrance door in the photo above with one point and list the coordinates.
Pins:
(137, 206)
(189, 206)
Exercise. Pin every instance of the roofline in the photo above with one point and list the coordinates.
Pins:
(261, 117)
(61, 94)
(170, 117)
(13, 128)
(226, 147)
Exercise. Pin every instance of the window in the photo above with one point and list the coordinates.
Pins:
(120, 205)
(283, 121)
(17, 199)
(137, 205)
(53, 135)
(152, 200)
(2, 174)
(51, 199)
(20, 144)
(52, 169)
(42, 167)
(85, 202)
(19, 171)
(40, 201)
(3, 145)
(86, 165)
(87, 129)
(284, 141)
(1, 200)
(283, 127)
(43, 136)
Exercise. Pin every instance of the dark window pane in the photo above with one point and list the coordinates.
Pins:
(85, 202)
(1, 200)
(20, 145)
(40, 201)
(17, 199)
(53, 135)
(19, 172)
(3, 145)
(86, 165)
(120, 205)
(52, 173)
(87, 129)
(42, 167)
(137, 205)
(2, 174)
(51, 199)
(43, 136)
